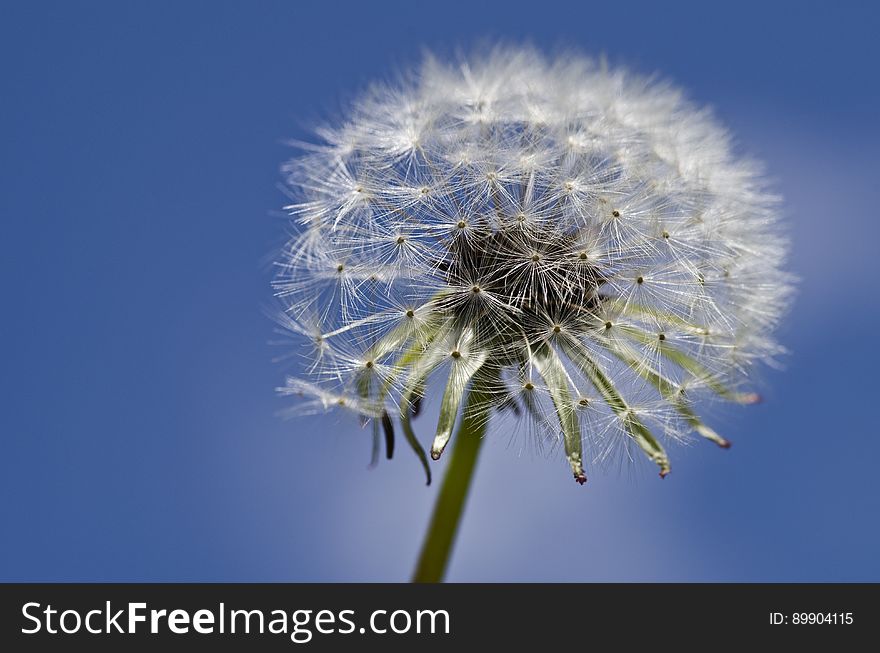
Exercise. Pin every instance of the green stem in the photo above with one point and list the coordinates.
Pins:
(438, 542)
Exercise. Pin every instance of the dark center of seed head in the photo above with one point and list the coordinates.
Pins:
(488, 263)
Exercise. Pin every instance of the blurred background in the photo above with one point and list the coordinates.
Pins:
(139, 440)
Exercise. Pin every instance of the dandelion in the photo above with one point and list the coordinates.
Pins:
(571, 245)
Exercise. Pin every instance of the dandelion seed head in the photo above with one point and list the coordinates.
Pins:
(583, 241)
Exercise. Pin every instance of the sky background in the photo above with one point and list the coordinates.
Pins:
(139, 152)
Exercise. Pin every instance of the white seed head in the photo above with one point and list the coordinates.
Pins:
(580, 241)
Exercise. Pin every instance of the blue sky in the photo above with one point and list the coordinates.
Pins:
(139, 202)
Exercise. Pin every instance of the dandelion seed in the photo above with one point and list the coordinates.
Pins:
(573, 244)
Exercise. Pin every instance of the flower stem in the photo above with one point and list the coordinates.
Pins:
(438, 542)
